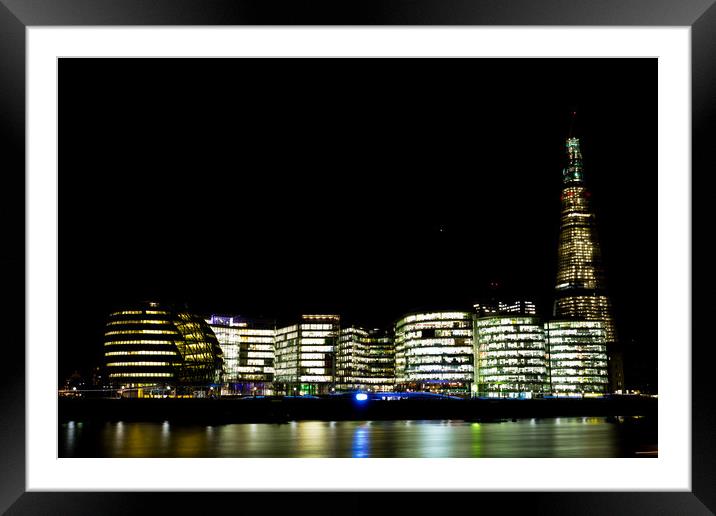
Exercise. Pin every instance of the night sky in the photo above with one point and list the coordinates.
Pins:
(364, 187)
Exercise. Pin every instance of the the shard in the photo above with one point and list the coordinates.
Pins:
(580, 291)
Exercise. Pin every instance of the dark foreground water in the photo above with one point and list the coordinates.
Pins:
(549, 437)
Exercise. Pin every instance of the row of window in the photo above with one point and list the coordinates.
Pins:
(141, 375)
(143, 352)
(147, 332)
(138, 364)
(139, 322)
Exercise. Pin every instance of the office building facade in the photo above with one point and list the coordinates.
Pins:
(510, 357)
(434, 352)
(248, 351)
(365, 360)
(577, 352)
(306, 356)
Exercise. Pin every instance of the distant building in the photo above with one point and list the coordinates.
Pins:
(580, 289)
(434, 352)
(74, 382)
(502, 307)
(577, 352)
(248, 352)
(306, 355)
(150, 345)
(365, 360)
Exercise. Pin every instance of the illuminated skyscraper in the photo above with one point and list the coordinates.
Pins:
(580, 290)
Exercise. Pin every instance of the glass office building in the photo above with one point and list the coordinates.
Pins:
(365, 360)
(248, 351)
(577, 357)
(580, 290)
(305, 355)
(153, 345)
(510, 357)
(434, 352)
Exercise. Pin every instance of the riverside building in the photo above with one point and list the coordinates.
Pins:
(248, 351)
(152, 346)
(577, 358)
(510, 351)
(580, 290)
(365, 360)
(306, 356)
(434, 352)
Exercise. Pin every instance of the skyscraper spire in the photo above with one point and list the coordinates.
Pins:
(580, 290)
(573, 173)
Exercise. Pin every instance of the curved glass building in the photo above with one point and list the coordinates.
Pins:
(577, 357)
(151, 345)
(433, 352)
(510, 356)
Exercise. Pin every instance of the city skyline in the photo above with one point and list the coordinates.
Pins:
(351, 253)
(502, 349)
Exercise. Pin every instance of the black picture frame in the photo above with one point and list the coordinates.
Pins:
(17, 15)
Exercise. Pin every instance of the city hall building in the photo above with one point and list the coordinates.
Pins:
(155, 346)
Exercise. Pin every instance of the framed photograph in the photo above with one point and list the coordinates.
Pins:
(384, 246)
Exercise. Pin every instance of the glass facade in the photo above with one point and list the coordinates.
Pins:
(434, 352)
(248, 351)
(152, 345)
(305, 355)
(510, 357)
(577, 357)
(580, 287)
(365, 360)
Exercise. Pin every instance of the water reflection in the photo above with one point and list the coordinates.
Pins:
(361, 442)
(563, 437)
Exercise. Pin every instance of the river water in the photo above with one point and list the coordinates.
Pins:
(548, 437)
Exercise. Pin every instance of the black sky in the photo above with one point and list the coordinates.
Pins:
(365, 187)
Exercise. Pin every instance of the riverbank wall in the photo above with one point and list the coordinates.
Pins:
(285, 409)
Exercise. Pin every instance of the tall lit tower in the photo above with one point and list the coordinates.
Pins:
(580, 291)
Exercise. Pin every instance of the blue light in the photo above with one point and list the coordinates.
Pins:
(361, 396)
